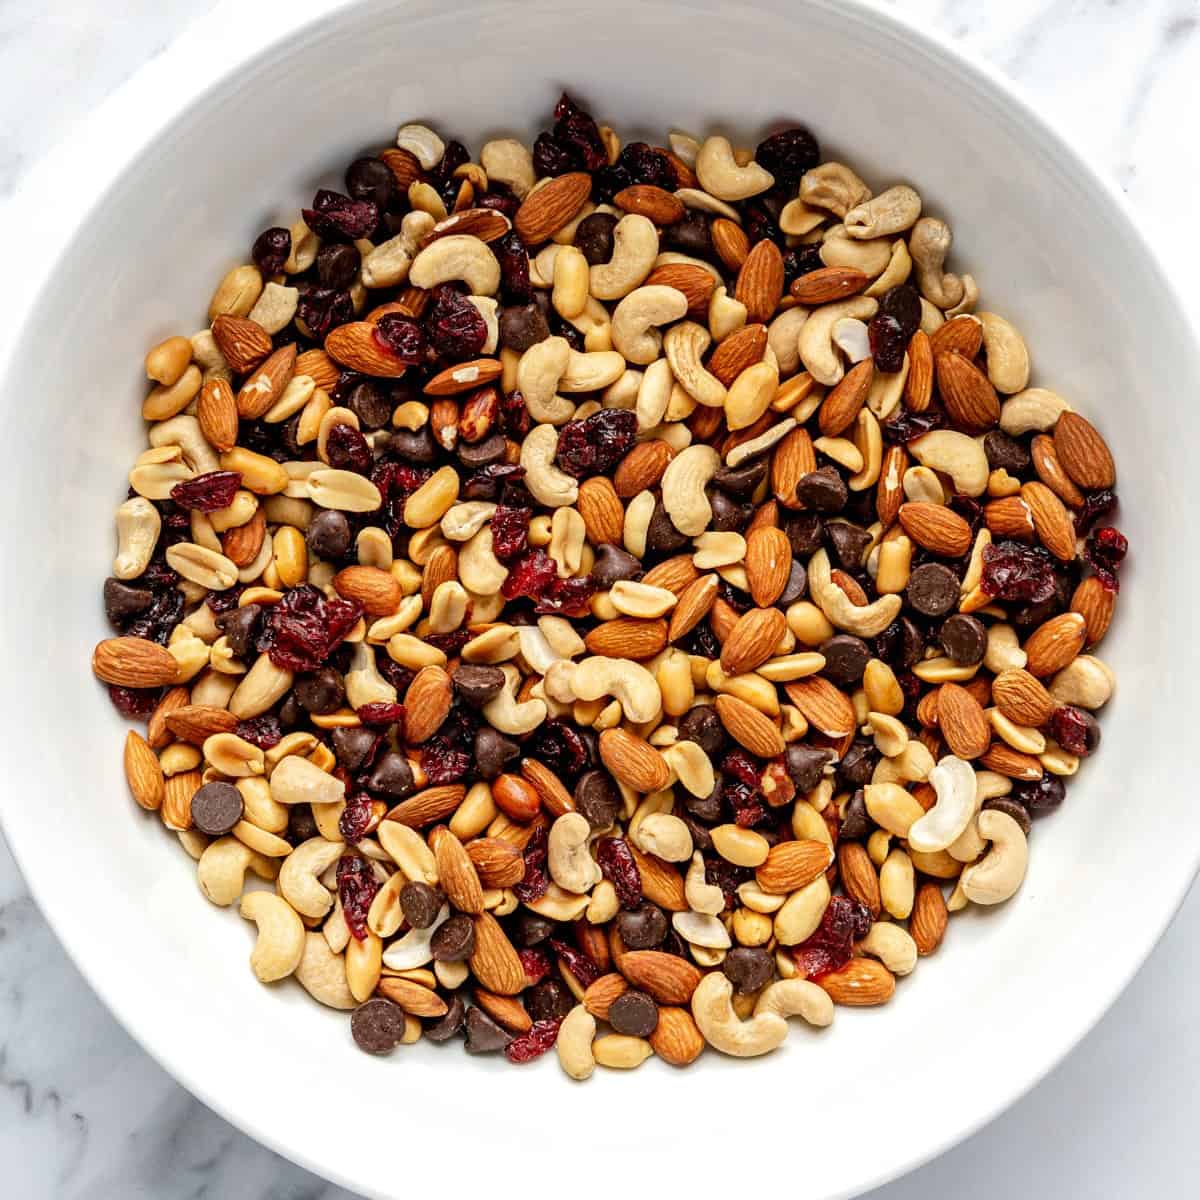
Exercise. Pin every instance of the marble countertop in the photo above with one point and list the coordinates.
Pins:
(86, 1115)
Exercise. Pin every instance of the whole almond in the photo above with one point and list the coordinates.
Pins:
(243, 342)
(628, 637)
(748, 727)
(217, 412)
(674, 574)
(426, 704)
(432, 804)
(133, 662)
(730, 242)
(694, 282)
(661, 206)
(676, 1038)
(793, 865)
(404, 166)
(355, 345)
(411, 996)
(849, 585)
(319, 367)
(1009, 517)
(794, 458)
(440, 567)
(551, 791)
(456, 872)
(548, 208)
(960, 335)
(739, 350)
(668, 978)
(1004, 760)
(962, 722)
(768, 563)
(839, 409)
(633, 761)
(1022, 698)
(827, 284)
(860, 983)
(143, 772)
(266, 385)
(602, 511)
(661, 883)
(484, 223)
(499, 864)
(918, 387)
(176, 811)
(927, 925)
(858, 875)
(722, 617)
(693, 606)
(1054, 527)
(760, 281)
(642, 468)
(464, 377)
(1084, 454)
(1054, 643)
(889, 494)
(752, 640)
(242, 543)
(1050, 471)
(157, 732)
(599, 996)
(504, 1010)
(966, 391)
(936, 528)
(495, 963)
(1095, 603)
(823, 705)
(196, 723)
(374, 588)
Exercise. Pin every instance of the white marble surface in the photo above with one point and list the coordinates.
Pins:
(85, 1115)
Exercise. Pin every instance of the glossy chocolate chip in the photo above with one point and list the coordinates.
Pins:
(484, 453)
(642, 928)
(450, 1023)
(692, 234)
(633, 1013)
(522, 326)
(848, 543)
(530, 928)
(549, 1001)
(856, 821)
(901, 644)
(613, 565)
(596, 796)
(701, 834)
(964, 638)
(328, 535)
(823, 490)
(338, 265)
(796, 586)
(454, 940)
(493, 751)
(741, 481)
(216, 808)
(932, 589)
(702, 726)
(484, 1036)
(477, 683)
(728, 516)
(805, 533)
(1014, 808)
(1005, 453)
(420, 903)
(858, 764)
(661, 535)
(124, 600)
(594, 237)
(706, 808)
(846, 658)
(240, 627)
(319, 691)
(302, 825)
(377, 1026)
(352, 747)
(391, 777)
(806, 765)
(370, 404)
(415, 446)
(748, 968)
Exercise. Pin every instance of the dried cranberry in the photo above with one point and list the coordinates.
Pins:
(844, 922)
(485, 483)
(610, 180)
(760, 223)
(535, 965)
(510, 529)
(800, 261)
(1012, 571)
(528, 1046)
(577, 133)
(703, 642)
(133, 702)
(403, 337)
(1104, 551)
(271, 249)
(596, 445)
(726, 876)
(443, 763)
(356, 817)
(549, 158)
(455, 327)
(357, 886)
(739, 765)
(347, 450)
(788, 154)
(442, 176)
(531, 575)
(888, 342)
(450, 643)
(647, 166)
(1095, 505)
(566, 597)
(746, 803)
(226, 601)
(304, 628)
(321, 309)
(1075, 730)
(619, 868)
(337, 218)
(399, 677)
(513, 258)
(579, 964)
(380, 714)
(208, 492)
(903, 305)
(905, 425)
(262, 731)
(970, 510)
(535, 881)
(560, 746)
(499, 202)
(514, 416)
(157, 622)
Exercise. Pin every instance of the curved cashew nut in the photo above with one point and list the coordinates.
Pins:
(783, 338)
(815, 342)
(364, 684)
(1007, 354)
(624, 680)
(298, 781)
(571, 865)
(838, 249)
(280, 945)
(506, 714)
(478, 567)
(322, 974)
(634, 320)
(955, 454)
(929, 243)
(683, 484)
(797, 998)
(702, 897)
(833, 186)
(591, 371)
(891, 212)
(222, 868)
(465, 519)
(458, 256)
(184, 431)
(413, 949)
(138, 527)
(538, 372)
(999, 873)
(867, 620)
(712, 1008)
(893, 946)
(508, 161)
(1035, 410)
(574, 1043)
(954, 782)
(389, 263)
(298, 883)
(549, 485)
(693, 766)
(422, 143)
(720, 175)
(635, 247)
(684, 344)
(663, 835)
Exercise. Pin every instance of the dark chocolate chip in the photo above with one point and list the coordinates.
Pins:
(748, 968)
(477, 683)
(964, 638)
(642, 928)
(493, 751)
(522, 326)
(597, 798)
(796, 586)
(856, 821)
(594, 237)
(377, 1025)
(613, 565)
(124, 600)
(216, 808)
(823, 490)
(319, 691)
(450, 1023)
(741, 481)
(849, 543)
(633, 1013)
(1005, 453)
(484, 1036)
(1014, 808)
(353, 746)
(702, 726)
(328, 534)
(846, 658)
(932, 589)
(392, 777)
(454, 940)
(806, 765)
(549, 1001)
(483, 453)
(420, 904)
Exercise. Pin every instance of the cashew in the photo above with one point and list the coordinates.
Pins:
(508, 161)
(683, 484)
(634, 320)
(955, 454)
(574, 1043)
(897, 271)
(783, 338)
(725, 314)
(549, 485)
(538, 373)
(297, 781)
(838, 249)
(1035, 410)
(833, 186)
(745, 451)
(635, 247)
(885, 215)
(796, 998)
(693, 766)
(751, 394)
(868, 620)
(506, 714)
(221, 869)
(389, 263)
(721, 176)
(280, 945)
(892, 945)
(998, 875)
(664, 836)
(1007, 354)
(184, 431)
(422, 143)
(702, 201)
(571, 865)
(463, 521)
(591, 372)
(683, 345)
(701, 929)
(458, 256)
(478, 567)
(702, 897)
(623, 679)
(969, 299)
(1004, 651)
(1085, 681)
(712, 1008)
(298, 883)
(322, 974)
(364, 684)
(815, 342)
(852, 339)
(138, 526)
(954, 782)
(929, 243)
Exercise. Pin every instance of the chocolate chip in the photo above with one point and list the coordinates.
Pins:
(420, 904)
(447, 1025)
(240, 627)
(352, 747)
(823, 490)
(594, 237)
(964, 638)
(415, 446)
(302, 825)
(741, 481)
(392, 777)
(319, 691)
(642, 928)
(328, 534)
(476, 683)
(1014, 808)
(748, 968)
(613, 565)
(702, 726)
(701, 835)
(796, 586)
(484, 1036)
(633, 1013)
(549, 1001)
(597, 798)
(846, 658)
(901, 644)
(377, 1026)
(493, 751)
(849, 543)
(858, 764)
(124, 600)
(216, 808)
(691, 234)
(370, 404)
(706, 808)
(482, 454)
(727, 515)
(856, 821)
(530, 928)
(337, 265)
(522, 326)
(806, 765)
(661, 535)
(1005, 453)
(454, 939)
(932, 589)
(805, 533)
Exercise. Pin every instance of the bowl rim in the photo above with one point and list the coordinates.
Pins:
(121, 131)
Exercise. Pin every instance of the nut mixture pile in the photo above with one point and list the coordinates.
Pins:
(606, 585)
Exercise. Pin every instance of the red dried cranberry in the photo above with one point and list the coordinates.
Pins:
(443, 764)
(456, 328)
(226, 601)
(566, 597)
(844, 922)
(619, 868)
(888, 342)
(1075, 730)
(304, 628)
(535, 882)
(134, 702)
(560, 746)
(647, 166)
(577, 133)
(528, 1046)
(788, 154)
(906, 426)
(746, 804)
(535, 965)
(579, 964)
(726, 876)
(449, 643)
(513, 258)
(510, 530)
(1095, 505)
(337, 218)
(208, 492)
(403, 336)
(760, 223)
(549, 158)
(596, 445)
(800, 261)
(1012, 571)
(262, 731)
(357, 886)
(514, 416)
(442, 176)
(347, 450)
(356, 818)
(741, 767)
(381, 714)
(158, 621)
(499, 201)
(271, 249)
(903, 305)
(399, 677)
(530, 575)
(1104, 551)
(321, 309)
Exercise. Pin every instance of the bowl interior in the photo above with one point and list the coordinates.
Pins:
(1010, 991)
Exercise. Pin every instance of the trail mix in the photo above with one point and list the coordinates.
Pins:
(606, 585)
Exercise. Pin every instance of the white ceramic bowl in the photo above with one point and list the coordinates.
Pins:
(222, 140)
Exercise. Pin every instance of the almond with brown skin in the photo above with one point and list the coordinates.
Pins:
(889, 494)
(695, 602)
(602, 511)
(196, 723)
(760, 281)
(936, 528)
(548, 208)
(440, 567)
(1022, 698)
(661, 206)
(217, 412)
(176, 811)
(823, 704)
(504, 1010)
(404, 166)
(668, 978)
(752, 640)
(1051, 521)
(143, 772)
(768, 561)
(242, 543)
(962, 722)
(499, 864)
(858, 876)
(741, 349)
(495, 962)
(862, 982)
(966, 391)
(839, 409)
(133, 662)
(730, 242)
(927, 925)
(694, 282)
(456, 872)
(794, 458)
(1009, 518)
(478, 414)
(464, 377)
(748, 727)
(627, 637)
(633, 761)
(599, 996)
(1084, 454)
(266, 385)
(676, 1038)
(722, 617)
(243, 342)
(555, 798)
(849, 585)
(486, 224)
(1050, 471)
(1095, 603)
(432, 804)
(674, 574)
(661, 883)
(411, 996)
(319, 367)
(1004, 760)
(960, 335)
(1054, 643)
(918, 387)
(374, 588)
(355, 345)
(793, 865)
(157, 732)
(426, 704)
(642, 468)
(827, 284)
